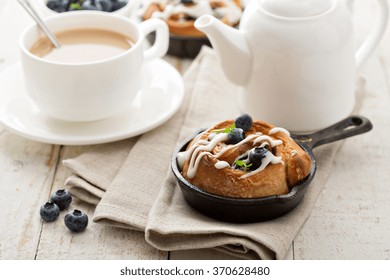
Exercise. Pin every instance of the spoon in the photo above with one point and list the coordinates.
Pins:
(29, 9)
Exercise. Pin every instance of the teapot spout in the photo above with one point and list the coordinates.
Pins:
(231, 47)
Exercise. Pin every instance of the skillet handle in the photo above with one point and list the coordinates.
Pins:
(351, 126)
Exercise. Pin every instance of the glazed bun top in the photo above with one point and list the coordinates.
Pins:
(181, 14)
(245, 159)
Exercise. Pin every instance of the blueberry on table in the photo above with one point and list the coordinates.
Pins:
(49, 212)
(256, 155)
(235, 136)
(62, 198)
(76, 221)
(244, 121)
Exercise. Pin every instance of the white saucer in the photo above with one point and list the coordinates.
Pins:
(159, 99)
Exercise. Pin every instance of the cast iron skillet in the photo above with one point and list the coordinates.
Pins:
(248, 210)
(183, 47)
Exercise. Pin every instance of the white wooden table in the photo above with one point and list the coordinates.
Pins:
(345, 224)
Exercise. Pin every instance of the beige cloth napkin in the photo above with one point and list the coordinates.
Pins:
(133, 187)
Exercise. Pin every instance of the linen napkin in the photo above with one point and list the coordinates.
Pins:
(133, 187)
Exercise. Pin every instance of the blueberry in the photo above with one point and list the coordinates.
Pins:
(187, 2)
(52, 4)
(256, 155)
(244, 121)
(62, 198)
(58, 5)
(49, 212)
(235, 136)
(106, 5)
(64, 3)
(116, 5)
(76, 221)
(91, 5)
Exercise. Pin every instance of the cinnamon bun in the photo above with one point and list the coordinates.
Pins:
(181, 14)
(243, 158)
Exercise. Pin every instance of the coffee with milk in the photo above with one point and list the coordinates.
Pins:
(82, 46)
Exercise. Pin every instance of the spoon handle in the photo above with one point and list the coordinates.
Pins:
(29, 9)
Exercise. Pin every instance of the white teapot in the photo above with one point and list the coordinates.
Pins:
(295, 60)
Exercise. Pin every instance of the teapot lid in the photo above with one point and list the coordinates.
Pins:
(296, 8)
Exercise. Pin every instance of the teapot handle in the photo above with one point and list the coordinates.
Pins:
(375, 35)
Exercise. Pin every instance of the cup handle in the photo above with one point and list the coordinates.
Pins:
(160, 46)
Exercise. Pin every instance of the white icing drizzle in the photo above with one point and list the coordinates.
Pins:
(279, 129)
(203, 142)
(264, 144)
(227, 148)
(182, 157)
(201, 147)
(221, 164)
(201, 7)
(194, 11)
(231, 11)
(272, 141)
(212, 135)
(269, 158)
(197, 151)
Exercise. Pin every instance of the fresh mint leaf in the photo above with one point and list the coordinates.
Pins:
(75, 6)
(243, 164)
(225, 130)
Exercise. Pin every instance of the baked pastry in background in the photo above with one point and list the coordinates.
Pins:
(180, 15)
(244, 159)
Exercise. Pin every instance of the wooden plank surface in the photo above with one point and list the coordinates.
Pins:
(26, 167)
(347, 223)
(98, 241)
(26, 173)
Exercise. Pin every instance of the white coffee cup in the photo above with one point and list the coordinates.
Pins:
(92, 90)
